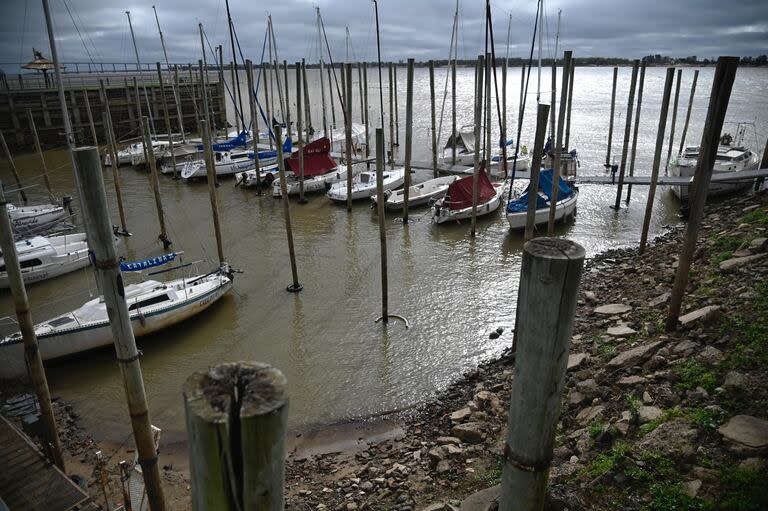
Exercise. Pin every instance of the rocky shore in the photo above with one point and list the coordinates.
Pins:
(650, 420)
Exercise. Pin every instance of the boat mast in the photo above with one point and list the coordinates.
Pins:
(554, 80)
(322, 71)
(239, 112)
(173, 82)
(141, 75)
(381, 83)
(276, 70)
(538, 83)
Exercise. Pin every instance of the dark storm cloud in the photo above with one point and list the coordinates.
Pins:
(409, 28)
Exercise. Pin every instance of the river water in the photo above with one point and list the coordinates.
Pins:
(453, 289)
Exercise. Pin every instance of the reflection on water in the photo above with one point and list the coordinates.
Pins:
(453, 289)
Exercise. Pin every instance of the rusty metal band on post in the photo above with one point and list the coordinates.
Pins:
(134, 358)
(105, 265)
(513, 460)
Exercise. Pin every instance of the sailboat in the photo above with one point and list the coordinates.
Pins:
(418, 195)
(228, 161)
(320, 170)
(457, 202)
(364, 185)
(517, 208)
(42, 258)
(29, 220)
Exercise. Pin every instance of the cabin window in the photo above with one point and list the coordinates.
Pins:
(218, 156)
(365, 178)
(28, 263)
(60, 321)
(149, 301)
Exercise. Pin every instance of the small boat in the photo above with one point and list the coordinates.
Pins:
(730, 159)
(152, 306)
(418, 195)
(338, 138)
(42, 258)
(457, 202)
(567, 195)
(466, 145)
(320, 170)
(228, 162)
(34, 219)
(364, 185)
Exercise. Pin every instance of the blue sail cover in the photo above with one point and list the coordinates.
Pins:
(266, 155)
(147, 263)
(238, 141)
(545, 187)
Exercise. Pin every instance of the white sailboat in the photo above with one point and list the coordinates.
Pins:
(567, 195)
(320, 170)
(42, 258)
(364, 185)
(419, 194)
(34, 219)
(457, 203)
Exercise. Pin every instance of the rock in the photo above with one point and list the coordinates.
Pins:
(686, 347)
(443, 467)
(366, 486)
(649, 413)
(470, 432)
(589, 414)
(445, 440)
(752, 464)
(659, 300)
(351, 506)
(587, 387)
(634, 356)
(745, 431)
(734, 380)
(454, 450)
(435, 506)
(612, 309)
(673, 438)
(711, 355)
(461, 415)
(647, 399)
(590, 296)
(482, 500)
(621, 331)
(758, 245)
(576, 398)
(436, 455)
(692, 487)
(703, 315)
(630, 380)
(575, 360)
(738, 262)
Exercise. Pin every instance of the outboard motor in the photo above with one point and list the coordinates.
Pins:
(66, 203)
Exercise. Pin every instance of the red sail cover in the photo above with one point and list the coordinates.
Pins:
(459, 195)
(317, 160)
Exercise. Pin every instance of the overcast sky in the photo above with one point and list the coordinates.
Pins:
(409, 28)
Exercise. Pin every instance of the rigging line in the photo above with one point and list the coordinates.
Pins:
(23, 31)
(87, 35)
(90, 57)
(522, 107)
(495, 79)
(276, 69)
(258, 82)
(448, 71)
(381, 84)
(330, 59)
(221, 70)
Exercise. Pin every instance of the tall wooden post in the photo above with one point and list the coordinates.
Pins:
(348, 130)
(504, 116)
(365, 119)
(295, 287)
(307, 111)
(674, 119)
(299, 128)
(553, 110)
(270, 113)
(408, 137)
(254, 121)
(549, 280)
(115, 159)
(433, 116)
(177, 101)
(287, 100)
(391, 120)
(559, 142)
(39, 150)
(89, 113)
(13, 168)
(613, 110)
(237, 411)
(478, 142)
(453, 111)
(211, 173)
(763, 165)
(382, 227)
(330, 98)
(167, 120)
(538, 152)
(397, 110)
(32, 356)
(567, 143)
(155, 182)
(360, 87)
(688, 113)
(206, 109)
(637, 127)
(326, 132)
(722, 83)
(657, 157)
(101, 242)
(627, 133)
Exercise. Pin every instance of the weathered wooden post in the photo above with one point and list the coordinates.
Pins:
(210, 170)
(237, 420)
(268, 78)
(382, 220)
(391, 120)
(763, 165)
(167, 119)
(550, 276)
(330, 98)
(287, 100)
(155, 182)
(114, 156)
(432, 111)
(365, 119)
(295, 287)
(504, 114)
(39, 150)
(13, 168)
(299, 128)
(567, 143)
(397, 110)
(637, 127)
(522, 102)
(408, 137)
(89, 113)
(360, 87)
(177, 101)
(254, 122)
(657, 157)
(478, 144)
(613, 110)
(307, 110)
(538, 153)
(722, 83)
(627, 130)
(348, 130)
(32, 358)
(559, 143)
(674, 119)
(100, 240)
(453, 111)
(688, 113)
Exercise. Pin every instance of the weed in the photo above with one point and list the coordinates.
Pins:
(692, 374)
(757, 216)
(596, 429)
(666, 415)
(742, 489)
(671, 497)
(705, 420)
(492, 475)
(634, 409)
(603, 463)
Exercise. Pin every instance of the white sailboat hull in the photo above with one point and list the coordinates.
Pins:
(441, 215)
(30, 219)
(418, 195)
(564, 209)
(313, 184)
(364, 190)
(63, 254)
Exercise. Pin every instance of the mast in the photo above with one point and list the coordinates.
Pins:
(141, 75)
(239, 112)
(538, 82)
(322, 71)
(381, 83)
(173, 81)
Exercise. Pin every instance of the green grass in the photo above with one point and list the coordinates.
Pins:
(741, 489)
(492, 475)
(603, 463)
(596, 429)
(671, 497)
(757, 216)
(705, 420)
(692, 374)
(666, 415)
(652, 467)
(634, 409)
(749, 332)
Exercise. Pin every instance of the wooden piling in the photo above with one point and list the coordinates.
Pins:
(559, 142)
(549, 280)
(101, 242)
(504, 116)
(167, 117)
(43, 166)
(408, 137)
(657, 157)
(360, 86)
(348, 131)
(688, 113)
(254, 122)
(382, 227)
(674, 119)
(627, 132)
(89, 113)
(365, 111)
(210, 170)
(722, 83)
(553, 110)
(237, 411)
(295, 286)
(322, 99)
(522, 103)
(397, 110)
(391, 120)
(433, 116)
(177, 101)
(478, 144)
(453, 111)
(204, 93)
(15, 171)
(307, 110)
(330, 98)
(114, 156)
(533, 184)
(140, 118)
(613, 111)
(270, 113)
(300, 135)
(572, 72)
(763, 165)
(155, 182)
(32, 358)
(637, 127)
